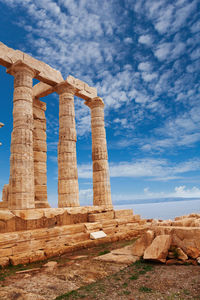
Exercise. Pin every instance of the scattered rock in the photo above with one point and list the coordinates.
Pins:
(158, 250)
(181, 254)
(50, 266)
(121, 259)
(28, 271)
(123, 251)
(61, 277)
(174, 262)
(192, 262)
(198, 260)
(142, 243)
(193, 252)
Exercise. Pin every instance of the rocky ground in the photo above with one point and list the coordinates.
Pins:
(98, 273)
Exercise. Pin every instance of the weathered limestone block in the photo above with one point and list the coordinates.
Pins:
(67, 121)
(5, 194)
(125, 220)
(193, 252)
(70, 133)
(90, 227)
(101, 216)
(40, 124)
(110, 230)
(39, 134)
(82, 89)
(4, 261)
(40, 156)
(68, 173)
(123, 213)
(100, 165)
(109, 223)
(67, 186)
(40, 146)
(158, 249)
(5, 252)
(38, 114)
(20, 259)
(37, 255)
(44, 72)
(181, 254)
(66, 147)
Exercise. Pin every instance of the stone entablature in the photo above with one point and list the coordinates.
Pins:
(27, 187)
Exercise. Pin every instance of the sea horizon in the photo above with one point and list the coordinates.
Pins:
(163, 210)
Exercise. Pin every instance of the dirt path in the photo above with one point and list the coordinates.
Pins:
(80, 276)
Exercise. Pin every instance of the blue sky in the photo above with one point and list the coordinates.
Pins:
(144, 59)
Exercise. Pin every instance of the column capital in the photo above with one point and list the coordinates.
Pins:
(64, 87)
(21, 66)
(95, 102)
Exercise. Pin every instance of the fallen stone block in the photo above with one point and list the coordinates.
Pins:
(20, 259)
(37, 255)
(181, 254)
(158, 249)
(174, 261)
(4, 261)
(121, 259)
(193, 252)
(142, 243)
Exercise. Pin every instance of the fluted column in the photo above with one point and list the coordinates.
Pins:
(101, 178)
(68, 191)
(21, 183)
(40, 153)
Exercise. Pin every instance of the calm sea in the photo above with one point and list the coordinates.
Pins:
(163, 210)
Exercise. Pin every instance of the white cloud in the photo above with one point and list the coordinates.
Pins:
(149, 76)
(178, 192)
(163, 51)
(182, 191)
(196, 27)
(128, 40)
(146, 39)
(154, 169)
(195, 54)
(85, 170)
(145, 66)
(86, 197)
(163, 23)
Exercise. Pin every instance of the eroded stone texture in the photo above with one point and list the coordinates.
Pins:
(40, 153)
(68, 192)
(21, 183)
(45, 73)
(101, 178)
(5, 195)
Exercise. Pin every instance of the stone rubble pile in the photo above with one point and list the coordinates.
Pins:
(173, 242)
(192, 220)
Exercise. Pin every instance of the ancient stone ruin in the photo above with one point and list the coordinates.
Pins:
(27, 186)
(29, 229)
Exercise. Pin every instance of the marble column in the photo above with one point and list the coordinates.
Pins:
(40, 153)
(68, 191)
(101, 178)
(21, 183)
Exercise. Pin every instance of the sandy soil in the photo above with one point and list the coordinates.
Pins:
(80, 276)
